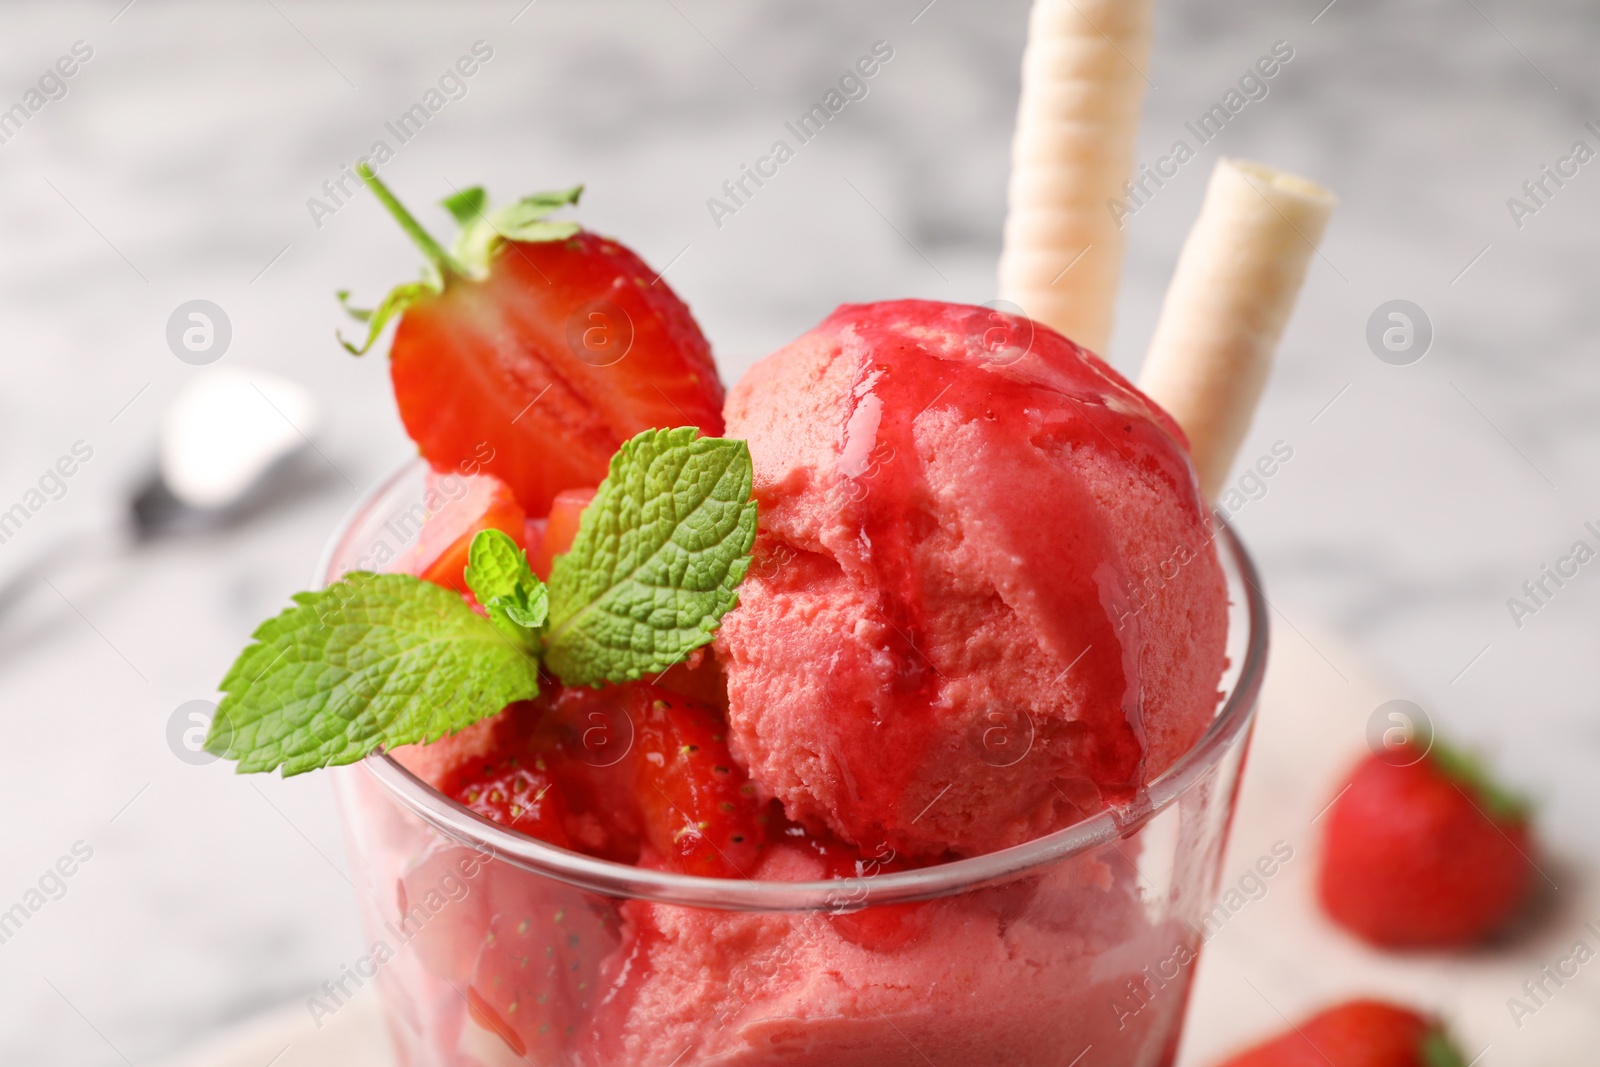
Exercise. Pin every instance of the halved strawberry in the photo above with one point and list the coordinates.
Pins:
(700, 811)
(545, 344)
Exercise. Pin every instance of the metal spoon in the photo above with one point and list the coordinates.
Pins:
(228, 447)
(225, 443)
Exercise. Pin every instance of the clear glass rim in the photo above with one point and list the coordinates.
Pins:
(976, 872)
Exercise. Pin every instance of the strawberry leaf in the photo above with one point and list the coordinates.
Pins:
(482, 234)
(1469, 770)
(396, 302)
(483, 231)
(657, 561)
(467, 205)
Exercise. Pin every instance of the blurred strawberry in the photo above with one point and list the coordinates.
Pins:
(443, 910)
(536, 982)
(1428, 852)
(1360, 1033)
(537, 343)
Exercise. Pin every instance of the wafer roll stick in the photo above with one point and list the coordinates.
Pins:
(1082, 82)
(1236, 282)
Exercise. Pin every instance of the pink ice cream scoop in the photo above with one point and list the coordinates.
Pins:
(985, 600)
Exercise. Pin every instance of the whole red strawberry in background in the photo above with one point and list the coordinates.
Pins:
(1424, 851)
(538, 344)
(1360, 1033)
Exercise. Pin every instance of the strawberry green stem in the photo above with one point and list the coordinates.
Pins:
(441, 260)
(1440, 1050)
(1469, 770)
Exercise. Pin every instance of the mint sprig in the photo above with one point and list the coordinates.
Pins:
(382, 660)
(659, 555)
(373, 659)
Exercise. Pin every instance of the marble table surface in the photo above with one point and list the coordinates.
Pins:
(176, 163)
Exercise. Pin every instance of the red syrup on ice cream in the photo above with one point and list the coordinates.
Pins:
(1069, 398)
(924, 471)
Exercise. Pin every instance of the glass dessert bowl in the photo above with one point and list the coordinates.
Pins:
(1076, 948)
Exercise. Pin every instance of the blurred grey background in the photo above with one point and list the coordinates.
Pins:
(178, 166)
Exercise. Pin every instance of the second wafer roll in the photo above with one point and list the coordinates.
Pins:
(1235, 285)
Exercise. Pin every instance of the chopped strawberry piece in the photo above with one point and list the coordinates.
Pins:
(517, 791)
(607, 771)
(566, 350)
(456, 514)
(532, 537)
(559, 529)
(575, 741)
(443, 909)
(880, 927)
(701, 812)
(701, 678)
(586, 737)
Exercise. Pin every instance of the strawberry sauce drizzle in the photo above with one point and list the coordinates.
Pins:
(1036, 396)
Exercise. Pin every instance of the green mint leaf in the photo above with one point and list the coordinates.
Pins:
(372, 660)
(497, 572)
(657, 561)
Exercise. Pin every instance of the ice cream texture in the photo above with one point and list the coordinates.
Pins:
(985, 600)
